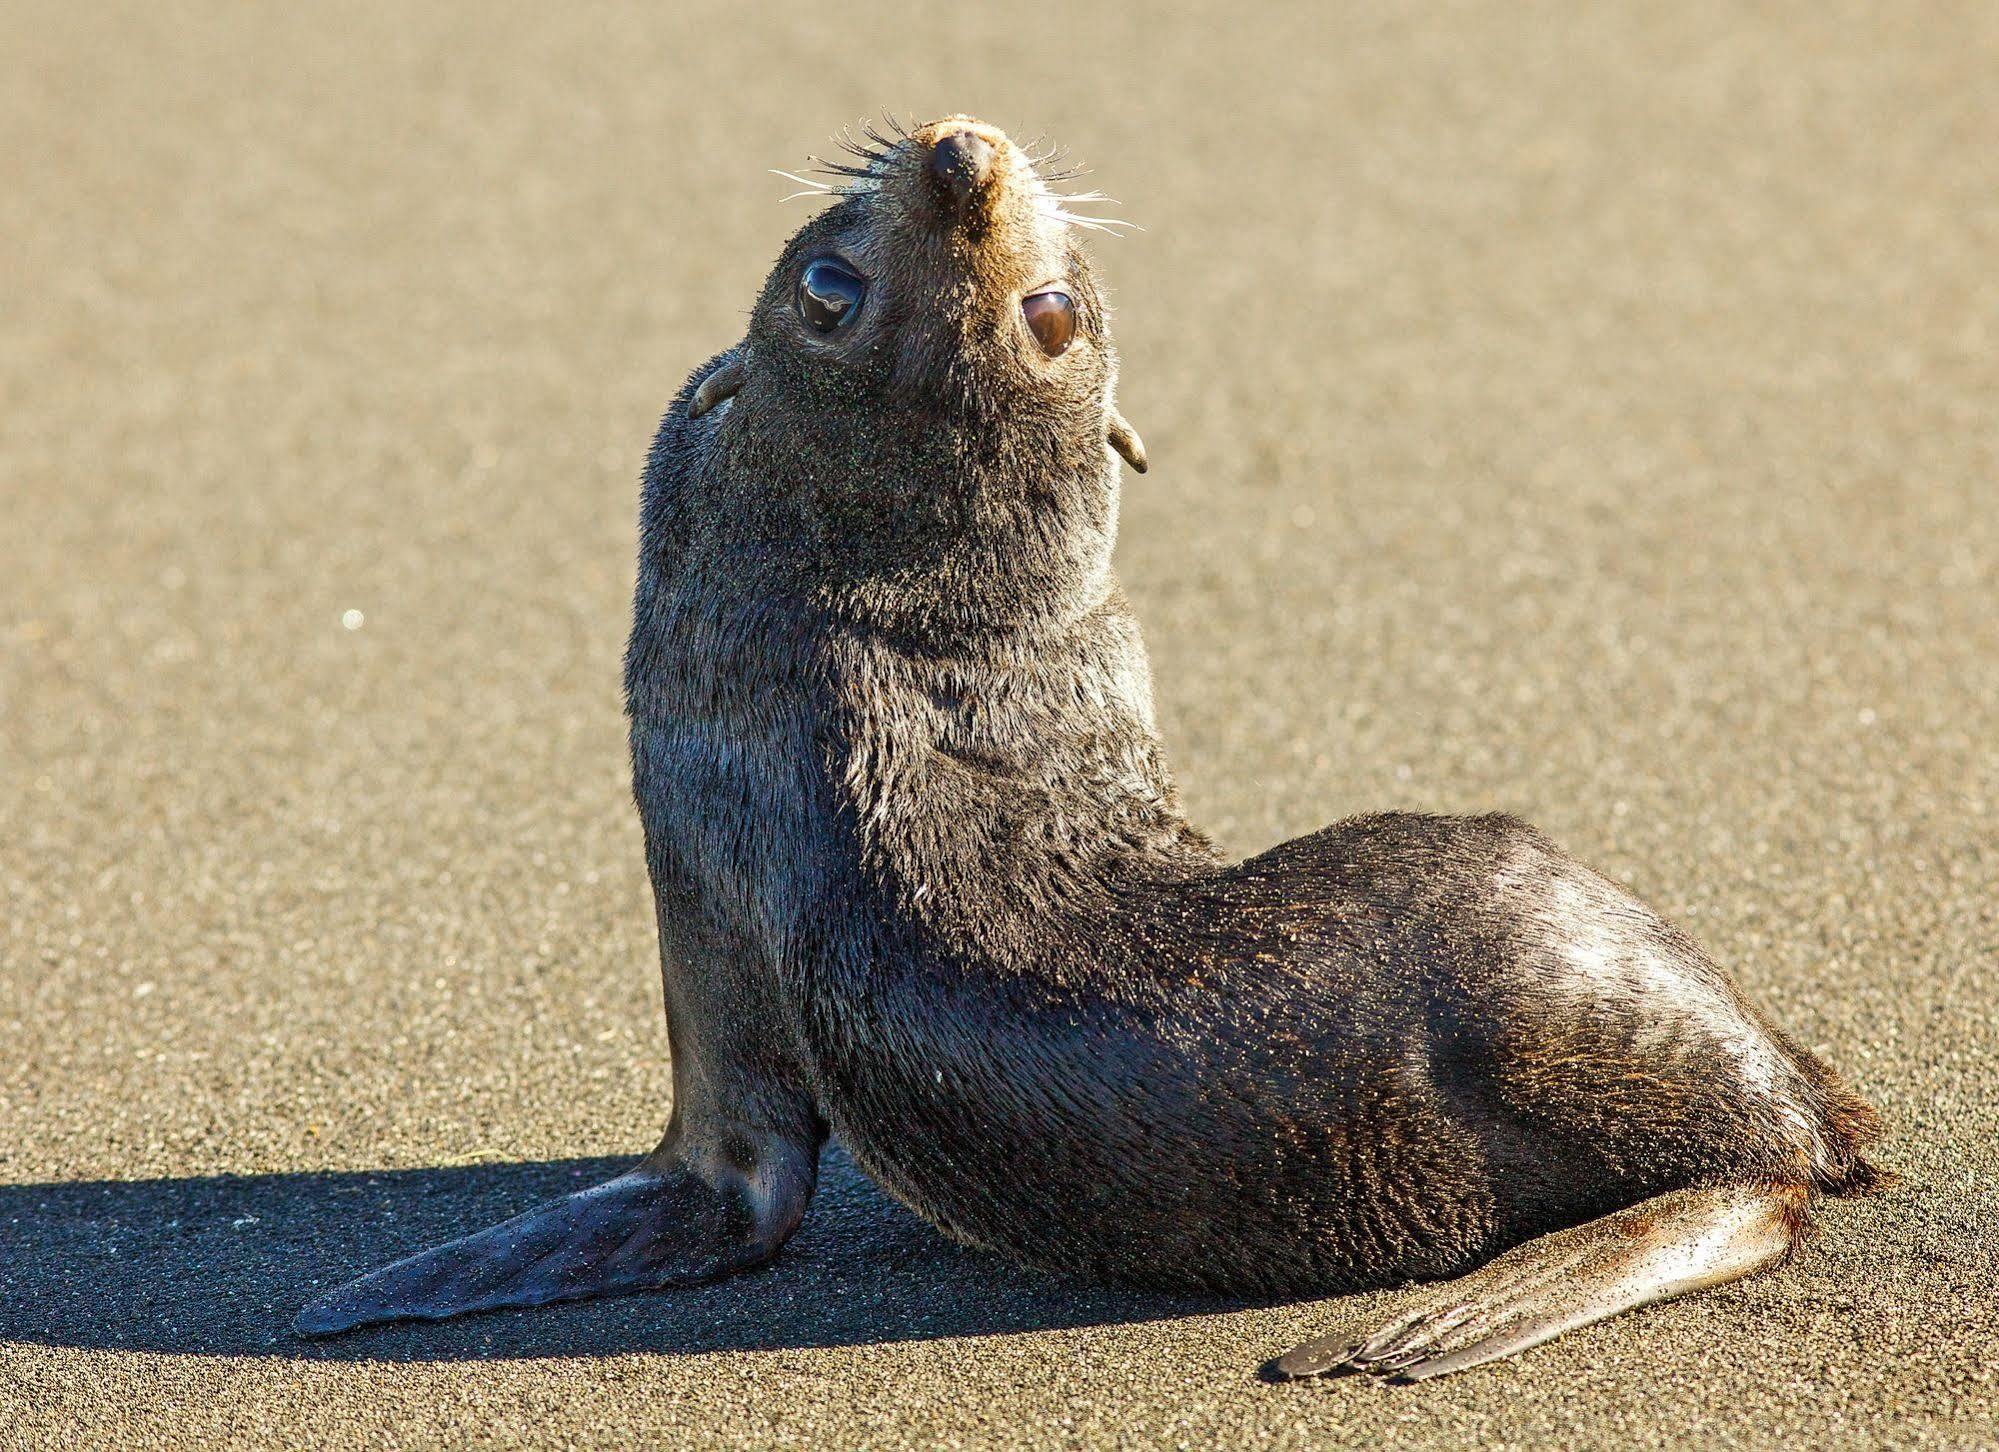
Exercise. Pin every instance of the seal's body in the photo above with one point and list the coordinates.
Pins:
(923, 881)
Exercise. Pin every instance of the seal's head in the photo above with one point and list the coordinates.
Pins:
(946, 276)
(930, 348)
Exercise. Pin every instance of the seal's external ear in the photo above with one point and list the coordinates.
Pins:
(1124, 438)
(717, 388)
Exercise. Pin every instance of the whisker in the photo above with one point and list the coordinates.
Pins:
(1053, 166)
(1094, 224)
(804, 181)
(838, 168)
(867, 151)
(863, 182)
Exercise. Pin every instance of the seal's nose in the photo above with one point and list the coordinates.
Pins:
(962, 161)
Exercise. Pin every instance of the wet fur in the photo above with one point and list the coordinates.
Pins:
(924, 881)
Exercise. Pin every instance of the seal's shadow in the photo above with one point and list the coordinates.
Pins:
(216, 1267)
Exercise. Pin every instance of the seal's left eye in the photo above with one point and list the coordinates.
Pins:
(1051, 317)
(829, 293)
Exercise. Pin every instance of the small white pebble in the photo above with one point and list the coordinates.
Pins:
(1867, 715)
(352, 619)
(141, 990)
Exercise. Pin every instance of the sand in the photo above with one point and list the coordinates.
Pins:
(1592, 413)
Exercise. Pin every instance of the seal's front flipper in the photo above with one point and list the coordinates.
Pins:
(1666, 1247)
(658, 1225)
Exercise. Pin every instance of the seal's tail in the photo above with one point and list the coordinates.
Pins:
(1851, 1125)
(1846, 1125)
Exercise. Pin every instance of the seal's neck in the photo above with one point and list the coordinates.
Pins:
(993, 793)
(939, 526)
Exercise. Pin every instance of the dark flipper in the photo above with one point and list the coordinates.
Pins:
(657, 1225)
(1653, 1251)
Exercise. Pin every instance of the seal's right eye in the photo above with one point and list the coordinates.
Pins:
(829, 293)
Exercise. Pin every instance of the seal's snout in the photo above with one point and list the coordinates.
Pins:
(961, 161)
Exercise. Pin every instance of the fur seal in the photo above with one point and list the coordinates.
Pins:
(923, 880)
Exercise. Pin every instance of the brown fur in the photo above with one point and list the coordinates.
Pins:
(923, 879)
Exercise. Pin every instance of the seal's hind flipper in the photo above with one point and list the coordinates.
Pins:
(649, 1228)
(1661, 1248)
